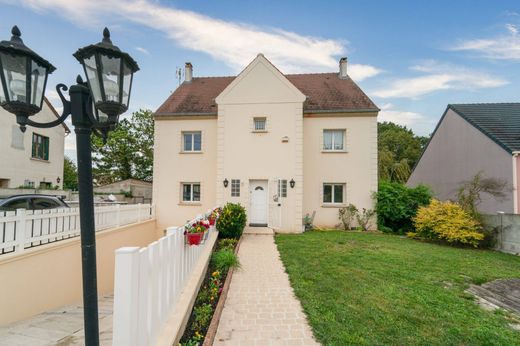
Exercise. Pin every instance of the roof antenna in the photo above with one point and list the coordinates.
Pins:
(178, 74)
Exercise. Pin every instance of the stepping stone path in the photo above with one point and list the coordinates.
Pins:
(504, 293)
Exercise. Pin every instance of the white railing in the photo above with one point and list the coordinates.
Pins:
(23, 229)
(148, 283)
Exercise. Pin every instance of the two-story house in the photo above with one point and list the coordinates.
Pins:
(34, 158)
(280, 145)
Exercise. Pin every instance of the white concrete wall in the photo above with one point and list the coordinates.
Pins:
(17, 163)
(356, 167)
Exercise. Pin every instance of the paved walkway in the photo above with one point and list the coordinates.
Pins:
(261, 308)
(60, 327)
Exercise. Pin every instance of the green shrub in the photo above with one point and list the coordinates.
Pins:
(364, 218)
(201, 317)
(224, 259)
(397, 204)
(232, 221)
(347, 215)
(447, 221)
(227, 243)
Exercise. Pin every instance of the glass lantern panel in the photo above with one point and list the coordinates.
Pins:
(127, 83)
(38, 75)
(14, 70)
(111, 71)
(92, 76)
(2, 95)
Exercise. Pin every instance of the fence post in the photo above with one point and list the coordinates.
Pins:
(139, 206)
(21, 221)
(126, 297)
(118, 215)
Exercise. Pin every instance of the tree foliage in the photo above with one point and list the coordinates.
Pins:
(70, 175)
(128, 152)
(397, 204)
(398, 150)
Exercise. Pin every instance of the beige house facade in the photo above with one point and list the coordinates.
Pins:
(34, 158)
(283, 146)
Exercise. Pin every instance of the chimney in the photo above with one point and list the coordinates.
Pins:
(343, 68)
(188, 72)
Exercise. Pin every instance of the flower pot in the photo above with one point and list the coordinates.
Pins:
(194, 238)
(211, 222)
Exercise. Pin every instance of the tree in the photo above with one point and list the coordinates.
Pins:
(128, 152)
(70, 175)
(398, 150)
(470, 192)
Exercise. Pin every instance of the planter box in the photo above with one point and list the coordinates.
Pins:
(194, 238)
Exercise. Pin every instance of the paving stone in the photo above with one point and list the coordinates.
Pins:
(261, 308)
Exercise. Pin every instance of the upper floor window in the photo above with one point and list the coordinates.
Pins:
(333, 140)
(333, 193)
(191, 192)
(40, 147)
(192, 141)
(260, 124)
(235, 187)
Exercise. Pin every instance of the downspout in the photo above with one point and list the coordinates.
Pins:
(515, 181)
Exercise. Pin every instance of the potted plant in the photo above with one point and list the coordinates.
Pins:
(195, 232)
(214, 216)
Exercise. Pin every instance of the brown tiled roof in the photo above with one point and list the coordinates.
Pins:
(324, 91)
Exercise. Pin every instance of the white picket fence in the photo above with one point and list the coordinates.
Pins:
(148, 283)
(23, 229)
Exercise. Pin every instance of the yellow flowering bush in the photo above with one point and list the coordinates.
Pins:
(446, 221)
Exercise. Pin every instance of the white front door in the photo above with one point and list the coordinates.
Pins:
(258, 210)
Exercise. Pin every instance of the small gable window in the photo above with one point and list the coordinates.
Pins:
(260, 124)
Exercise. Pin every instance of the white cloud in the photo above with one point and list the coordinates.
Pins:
(438, 77)
(234, 43)
(142, 50)
(502, 47)
(405, 118)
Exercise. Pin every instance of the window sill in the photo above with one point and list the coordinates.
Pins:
(40, 160)
(191, 152)
(333, 205)
(334, 151)
(259, 131)
(190, 204)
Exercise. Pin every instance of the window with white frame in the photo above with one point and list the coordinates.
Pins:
(191, 192)
(333, 193)
(282, 187)
(192, 141)
(333, 140)
(235, 187)
(260, 124)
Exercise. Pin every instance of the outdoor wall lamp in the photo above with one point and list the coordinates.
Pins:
(225, 182)
(94, 106)
(292, 183)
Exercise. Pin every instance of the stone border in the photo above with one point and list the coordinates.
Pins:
(213, 326)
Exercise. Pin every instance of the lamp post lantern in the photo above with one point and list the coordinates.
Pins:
(94, 107)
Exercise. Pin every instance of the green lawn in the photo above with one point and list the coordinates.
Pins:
(376, 289)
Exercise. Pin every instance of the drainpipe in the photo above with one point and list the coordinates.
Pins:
(515, 182)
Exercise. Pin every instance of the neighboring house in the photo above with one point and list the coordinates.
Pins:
(473, 138)
(34, 158)
(138, 190)
(280, 145)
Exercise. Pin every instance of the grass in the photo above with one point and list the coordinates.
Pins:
(376, 289)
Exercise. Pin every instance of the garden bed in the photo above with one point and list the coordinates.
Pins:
(203, 322)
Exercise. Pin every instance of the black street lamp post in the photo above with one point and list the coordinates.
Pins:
(94, 106)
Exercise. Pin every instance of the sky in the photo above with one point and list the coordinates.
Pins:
(412, 58)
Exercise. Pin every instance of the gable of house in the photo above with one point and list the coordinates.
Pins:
(469, 139)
